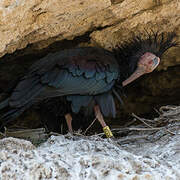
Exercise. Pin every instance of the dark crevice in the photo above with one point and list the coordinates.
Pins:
(140, 99)
(116, 1)
(30, 52)
(13, 66)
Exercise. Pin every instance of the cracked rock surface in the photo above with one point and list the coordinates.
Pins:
(143, 154)
(66, 158)
(42, 22)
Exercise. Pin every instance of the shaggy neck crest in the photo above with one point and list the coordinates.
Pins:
(129, 53)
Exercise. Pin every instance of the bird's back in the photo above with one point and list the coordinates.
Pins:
(79, 71)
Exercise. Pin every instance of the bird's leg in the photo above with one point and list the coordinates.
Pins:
(100, 118)
(68, 118)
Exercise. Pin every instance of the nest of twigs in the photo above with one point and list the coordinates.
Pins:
(168, 123)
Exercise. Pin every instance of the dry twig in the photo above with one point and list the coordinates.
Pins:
(142, 120)
(89, 126)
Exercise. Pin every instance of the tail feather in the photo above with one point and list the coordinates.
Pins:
(4, 103)
(18, 101)
(12, 114)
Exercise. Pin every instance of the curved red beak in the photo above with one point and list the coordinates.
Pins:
(138, 72)
(145, 65)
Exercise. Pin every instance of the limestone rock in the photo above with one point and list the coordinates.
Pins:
(25, 22)
(42, 22)
(134, 17)
(64, 158)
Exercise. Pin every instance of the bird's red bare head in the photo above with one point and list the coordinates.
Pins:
(147, 63)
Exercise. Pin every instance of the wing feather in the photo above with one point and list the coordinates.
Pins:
(80, 71)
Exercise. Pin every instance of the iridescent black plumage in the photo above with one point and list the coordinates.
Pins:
(81, 74)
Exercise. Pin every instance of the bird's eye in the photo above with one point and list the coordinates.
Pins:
(155, 61)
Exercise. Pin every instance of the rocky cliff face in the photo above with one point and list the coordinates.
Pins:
(35, 27)
(42, 22)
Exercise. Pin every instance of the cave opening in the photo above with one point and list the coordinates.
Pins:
(144, 96)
